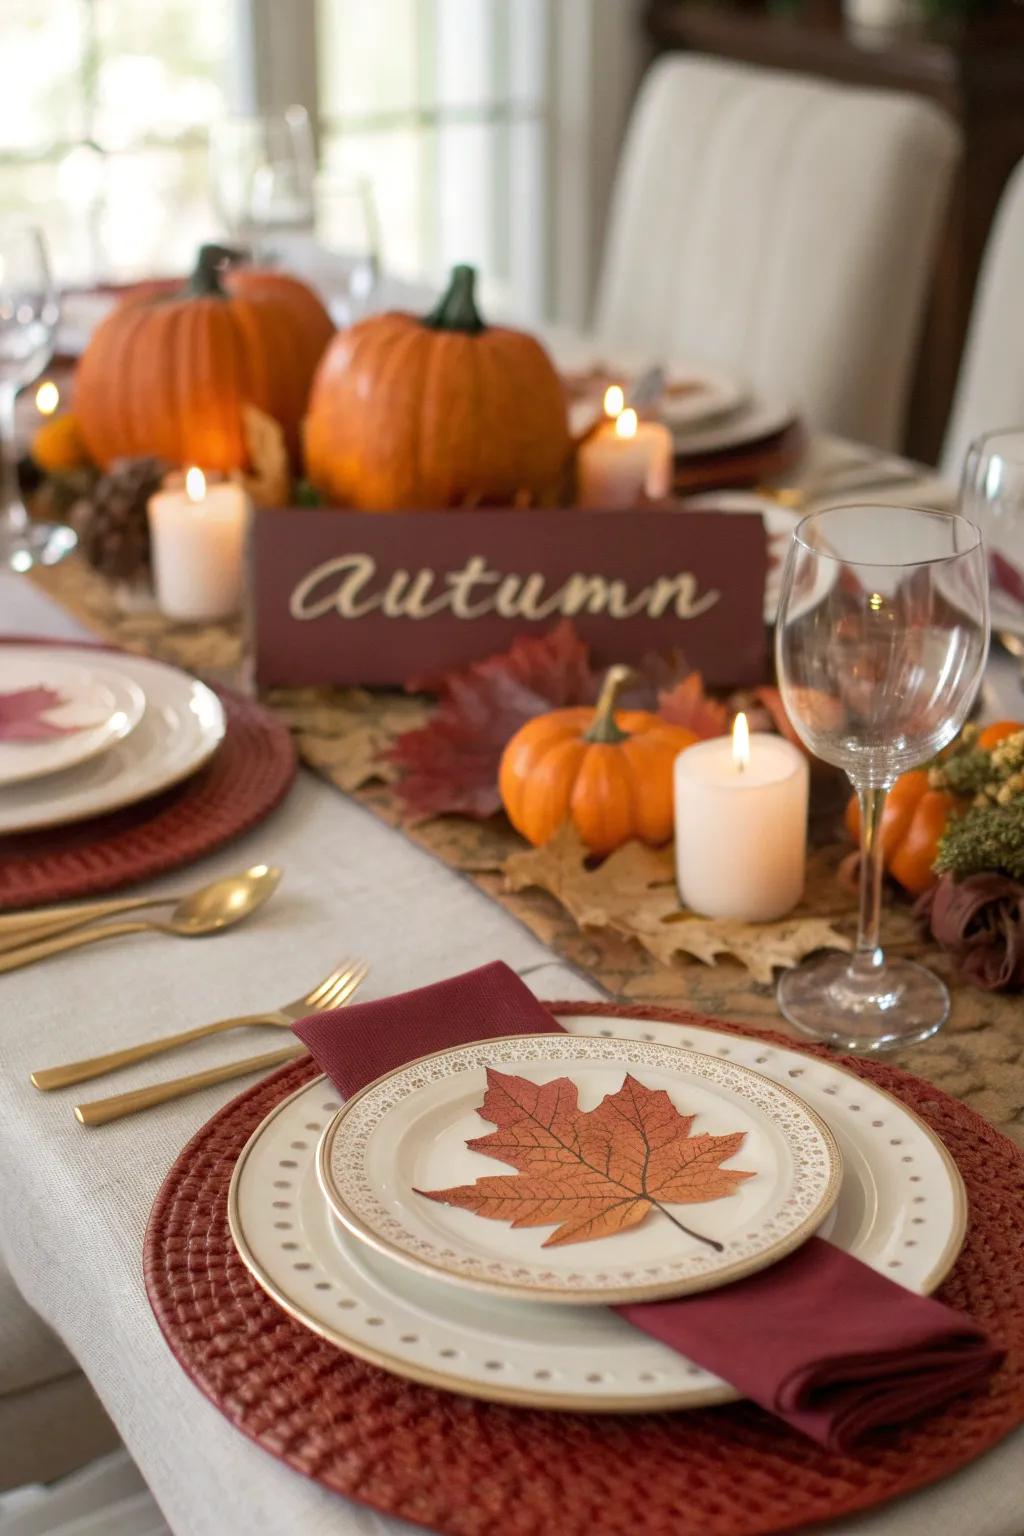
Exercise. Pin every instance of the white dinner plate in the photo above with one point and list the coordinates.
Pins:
(181, 728)
(101, 704)
(695, 392)
(901, 1209)
(749, 423)
(739, 1171)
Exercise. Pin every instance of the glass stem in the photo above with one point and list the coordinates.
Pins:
(12, 509)
(868, 957)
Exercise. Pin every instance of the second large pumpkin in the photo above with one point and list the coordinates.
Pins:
(437, 412)
(168, 374)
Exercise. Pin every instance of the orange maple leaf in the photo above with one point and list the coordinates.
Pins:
(592, 1172)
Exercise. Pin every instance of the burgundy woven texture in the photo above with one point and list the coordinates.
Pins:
(246, 778)
(470, 1468)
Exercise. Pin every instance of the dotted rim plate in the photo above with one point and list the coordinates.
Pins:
(363, 1152)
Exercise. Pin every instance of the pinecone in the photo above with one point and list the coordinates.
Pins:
(112, 527)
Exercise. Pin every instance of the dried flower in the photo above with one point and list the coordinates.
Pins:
(979, 922)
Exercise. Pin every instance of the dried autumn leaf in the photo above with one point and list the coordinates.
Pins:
(451, 764)
(593, 1172)
(688, 705)
(633, 893)
(269, 479)
(347, 733)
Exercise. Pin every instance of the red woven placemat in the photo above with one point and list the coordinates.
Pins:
(470, 1468)
(248, 776)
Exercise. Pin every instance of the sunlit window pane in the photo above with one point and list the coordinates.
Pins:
(395, 165)
(160, 68)
(464, 56)
(368, 55)
(42, 43)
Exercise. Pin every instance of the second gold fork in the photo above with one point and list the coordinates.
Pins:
(331, 993)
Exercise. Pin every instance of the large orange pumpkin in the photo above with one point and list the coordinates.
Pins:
(609, 774)
(168, 374)
(435, 412)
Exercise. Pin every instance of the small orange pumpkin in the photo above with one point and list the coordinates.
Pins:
(437, 412)
(913, 821)
(610, 775)
(167, 374)
(58, 445)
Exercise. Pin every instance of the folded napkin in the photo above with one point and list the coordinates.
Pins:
(819, 1339)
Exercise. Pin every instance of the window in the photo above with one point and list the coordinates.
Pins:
(443, 106)
(104, 106)
(486, 128)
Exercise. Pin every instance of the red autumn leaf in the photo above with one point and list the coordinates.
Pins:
(451, 764)
(688, 705)
(591, 1173)
(21, 715)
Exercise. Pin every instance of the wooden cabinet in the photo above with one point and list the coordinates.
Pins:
(974, 70)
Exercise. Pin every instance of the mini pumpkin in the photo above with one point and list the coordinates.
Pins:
(913, 820)
(608, 773)
(58, 445)
(442, 411)
(168, 374)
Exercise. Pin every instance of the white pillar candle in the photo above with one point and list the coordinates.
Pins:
(198, 548)
(741, 825)
(624, 461)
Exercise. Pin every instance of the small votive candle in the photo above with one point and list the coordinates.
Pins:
(198, 547)
(625, 460)
(741, 825)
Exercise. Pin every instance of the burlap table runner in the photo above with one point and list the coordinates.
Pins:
(978, 1057)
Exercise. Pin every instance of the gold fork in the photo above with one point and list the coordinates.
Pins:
(332, 991)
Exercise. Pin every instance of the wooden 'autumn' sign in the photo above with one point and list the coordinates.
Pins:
(592, 1172)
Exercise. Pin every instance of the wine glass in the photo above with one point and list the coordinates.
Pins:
(992, 495)
(348, 229)
(880, 646)
(29, 311)
(243, 147)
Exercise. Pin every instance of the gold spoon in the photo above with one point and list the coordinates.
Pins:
(20, 928)
(209, 910)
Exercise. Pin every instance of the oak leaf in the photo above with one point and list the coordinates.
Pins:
(591, 1173)
(633, 893)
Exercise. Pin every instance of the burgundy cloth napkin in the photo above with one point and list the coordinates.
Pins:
(820, 1340)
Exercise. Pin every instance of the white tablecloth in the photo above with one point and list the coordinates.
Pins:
(74, 1202)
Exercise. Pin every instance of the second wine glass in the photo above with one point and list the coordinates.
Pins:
(29, 311)
(881, 642)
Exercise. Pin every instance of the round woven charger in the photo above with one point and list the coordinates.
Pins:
(248, 776)
(472, 1468)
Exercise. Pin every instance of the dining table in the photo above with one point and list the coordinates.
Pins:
(74, 1201)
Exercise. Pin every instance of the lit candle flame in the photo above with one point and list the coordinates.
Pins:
(614, 400)
(741, 742)
(47, 398)
(625, 423)
(195, 484)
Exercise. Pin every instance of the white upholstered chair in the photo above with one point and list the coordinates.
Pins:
(783, 228)
(990, 388)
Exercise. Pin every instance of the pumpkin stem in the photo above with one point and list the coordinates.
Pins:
(603, 727)
(205, 281)
(456, 309)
